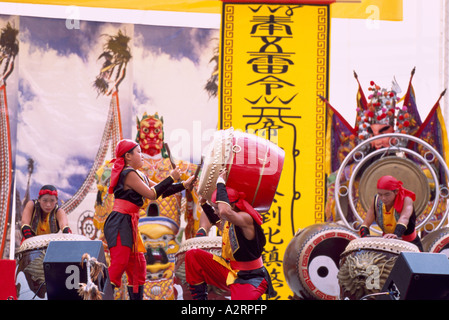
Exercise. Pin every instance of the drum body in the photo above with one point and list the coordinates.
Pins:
(311, 260)
(209, 244)
(366, 264)
(30, 278)
(253, 164)
(437, 241)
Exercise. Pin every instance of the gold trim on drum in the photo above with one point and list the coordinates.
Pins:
(402, 169)
(381, 244)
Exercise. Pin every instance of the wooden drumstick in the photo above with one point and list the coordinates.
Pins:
(197, 172)
(173, 165)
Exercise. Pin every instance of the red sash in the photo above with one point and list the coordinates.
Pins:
(247, 265)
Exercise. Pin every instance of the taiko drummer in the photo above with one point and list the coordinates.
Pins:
(240, 267)
(130, 187)
(44, 216)
(393, 211)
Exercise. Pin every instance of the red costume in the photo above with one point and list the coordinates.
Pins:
(240, 268)
(120, 229)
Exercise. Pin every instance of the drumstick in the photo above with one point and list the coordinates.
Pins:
(197, 172)
(169, 156)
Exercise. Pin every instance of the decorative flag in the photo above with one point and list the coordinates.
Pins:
(340, 138)
(412, 108)
(433, 131)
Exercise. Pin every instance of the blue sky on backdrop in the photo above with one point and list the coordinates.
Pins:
(61, 118)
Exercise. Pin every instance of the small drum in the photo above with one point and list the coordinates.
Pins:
(210, 244)
(437, 241)
(311, 260)
(30, 278)
(366, 264)
(254, 166)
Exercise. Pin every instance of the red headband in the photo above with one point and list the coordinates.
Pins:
(239, 199)
(391, 183)
(47, 191)
(122, 148)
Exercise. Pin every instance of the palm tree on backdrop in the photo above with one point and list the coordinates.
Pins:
(9, 48)
(117, 54)
(211, 86)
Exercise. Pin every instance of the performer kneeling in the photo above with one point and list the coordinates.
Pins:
(393, 211)
(130, 187)
(240, 268)
(44, 216)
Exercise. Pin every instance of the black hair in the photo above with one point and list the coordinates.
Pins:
(48, 187)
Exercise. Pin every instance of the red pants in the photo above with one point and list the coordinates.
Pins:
(124, 260)
(201, 267)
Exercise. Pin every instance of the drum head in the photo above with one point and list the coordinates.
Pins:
(394, 246)
(215, 158)
(409, 173)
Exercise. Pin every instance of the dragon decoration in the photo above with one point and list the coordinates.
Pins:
(357, 270)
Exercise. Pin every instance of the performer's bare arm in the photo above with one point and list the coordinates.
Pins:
(240, 219)
(27, 213)
(369, 218)
(61, 216)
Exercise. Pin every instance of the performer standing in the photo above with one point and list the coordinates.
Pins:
(240, 268)
(44, 216)
(393, 211)
(130, 187)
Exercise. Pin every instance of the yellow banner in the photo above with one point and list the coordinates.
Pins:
(355, 9)
(273, 67)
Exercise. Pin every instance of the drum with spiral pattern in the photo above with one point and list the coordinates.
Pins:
(253, 164)
(30, 278)
(209, 244)
(311, 261)
(366, 264)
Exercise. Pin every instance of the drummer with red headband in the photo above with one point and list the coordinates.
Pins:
(240, 266)
(130, 187)
(44, 216)
(393, 211)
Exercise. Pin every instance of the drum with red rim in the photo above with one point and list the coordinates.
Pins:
(437, 241)
(311, 261)
(253, 164)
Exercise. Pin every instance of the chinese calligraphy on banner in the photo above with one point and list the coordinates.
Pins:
(274, 66)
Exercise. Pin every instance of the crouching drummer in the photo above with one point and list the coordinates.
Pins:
(393, 210)
(43, 215)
